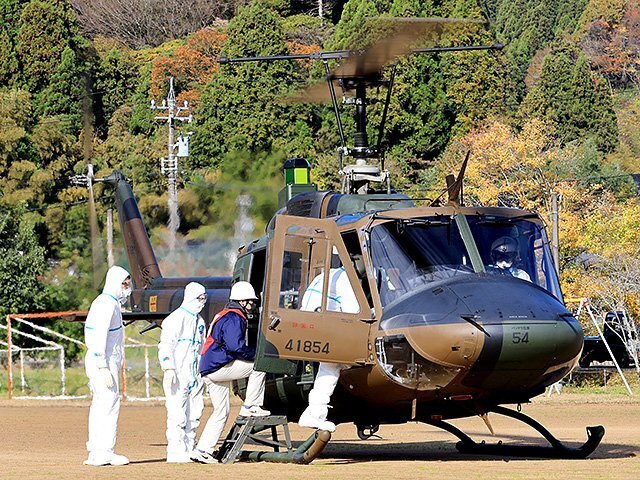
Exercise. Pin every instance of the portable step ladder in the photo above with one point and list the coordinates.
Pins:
(247, 428)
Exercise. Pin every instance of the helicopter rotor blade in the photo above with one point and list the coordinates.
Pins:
(399, 34)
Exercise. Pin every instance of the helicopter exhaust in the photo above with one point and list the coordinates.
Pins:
(307, 452)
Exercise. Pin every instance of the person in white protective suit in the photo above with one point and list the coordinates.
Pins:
(104, 337)
(181, 340)
(226, 356)
(340, 298)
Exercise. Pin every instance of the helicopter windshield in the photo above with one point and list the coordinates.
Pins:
(410, 253)
(525, 244)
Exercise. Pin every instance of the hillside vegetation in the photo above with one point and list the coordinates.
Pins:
(556, 110)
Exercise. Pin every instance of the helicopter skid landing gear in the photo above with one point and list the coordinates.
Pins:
(556, 449)
(368, 431)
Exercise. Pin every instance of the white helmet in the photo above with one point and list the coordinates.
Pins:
(242, 291)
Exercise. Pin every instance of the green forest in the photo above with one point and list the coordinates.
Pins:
(556, 110)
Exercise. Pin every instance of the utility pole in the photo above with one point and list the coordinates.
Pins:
(110, 258)
(86, 181)
(169, 166)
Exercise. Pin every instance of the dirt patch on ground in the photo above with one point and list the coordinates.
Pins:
(46, 440)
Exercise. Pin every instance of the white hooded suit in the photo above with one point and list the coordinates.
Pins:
(104, 337)
(183, 334)
(340, 298)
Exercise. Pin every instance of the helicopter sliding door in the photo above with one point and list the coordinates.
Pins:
(315, 307)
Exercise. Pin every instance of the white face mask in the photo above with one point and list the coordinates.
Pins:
(123, 296)
(200, 305)
(194, 306)
(504, 264)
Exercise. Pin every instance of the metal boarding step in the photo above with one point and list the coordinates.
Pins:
(247, 428)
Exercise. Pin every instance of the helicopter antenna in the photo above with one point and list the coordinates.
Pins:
(455, 187)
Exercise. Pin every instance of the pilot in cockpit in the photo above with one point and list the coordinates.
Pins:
(504, 255)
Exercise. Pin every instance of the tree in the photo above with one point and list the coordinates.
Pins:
(351, 24)
(16, 112)
(22, 262)
(115, 79)
(614, 47)
(568, 96)
(67, 89)
(506, 167)
(46, 28)
(192, 65)
(477, 85)
(9, 64)
(241, 108)
(602, 251)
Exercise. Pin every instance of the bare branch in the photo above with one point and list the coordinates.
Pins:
(140, 23)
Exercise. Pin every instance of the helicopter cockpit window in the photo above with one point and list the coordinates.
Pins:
(335, 295)
(517, 247)
(410, 253)
(303, 285)
(291, 279)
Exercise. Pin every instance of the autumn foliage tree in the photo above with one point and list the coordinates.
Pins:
(240, 108)
(614, 46)
(192, 65)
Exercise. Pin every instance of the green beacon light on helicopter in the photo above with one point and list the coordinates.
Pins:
(297, 179)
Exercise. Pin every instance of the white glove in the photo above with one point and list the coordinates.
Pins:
(106, 377)
(170, 378)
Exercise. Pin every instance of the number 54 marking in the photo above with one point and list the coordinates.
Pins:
(520, 337)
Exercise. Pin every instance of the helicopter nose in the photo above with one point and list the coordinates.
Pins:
(507, 334)
(531, 339)
(524, 354)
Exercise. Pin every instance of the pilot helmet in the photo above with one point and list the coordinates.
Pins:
(504, 251)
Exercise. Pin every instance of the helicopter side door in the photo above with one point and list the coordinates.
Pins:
(310, 313)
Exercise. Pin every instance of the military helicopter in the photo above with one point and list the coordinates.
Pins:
(439, 334)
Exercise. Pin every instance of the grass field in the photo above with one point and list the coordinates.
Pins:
(46, 380)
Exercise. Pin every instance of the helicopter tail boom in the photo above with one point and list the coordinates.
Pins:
(143, 265)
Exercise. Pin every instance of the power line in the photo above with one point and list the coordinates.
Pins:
(71, 204)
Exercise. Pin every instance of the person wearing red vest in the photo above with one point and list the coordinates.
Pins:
(227, 357)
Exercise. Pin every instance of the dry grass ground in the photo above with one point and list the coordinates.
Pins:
(46, 440)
